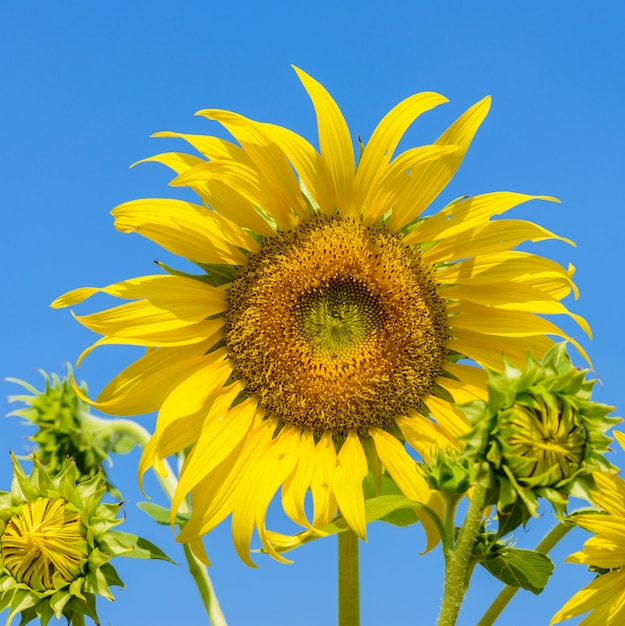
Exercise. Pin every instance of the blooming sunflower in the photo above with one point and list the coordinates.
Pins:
(327, 324)
(604, 597)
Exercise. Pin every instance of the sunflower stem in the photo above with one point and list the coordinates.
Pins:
(198, 570)
(447, 537)
(349, 588)
(458, 561)
(508, 592)
(169, 483)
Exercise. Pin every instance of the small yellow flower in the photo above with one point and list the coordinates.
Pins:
(604, 553)
(325, 328)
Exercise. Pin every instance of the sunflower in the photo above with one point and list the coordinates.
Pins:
(604, 553)
(327, 324)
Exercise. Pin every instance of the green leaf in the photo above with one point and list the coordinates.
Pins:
(142, 548)
(521, 568)
(161, 515)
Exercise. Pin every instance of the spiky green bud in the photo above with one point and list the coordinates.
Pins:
(66, 428)
(56, 543)
(540, 435)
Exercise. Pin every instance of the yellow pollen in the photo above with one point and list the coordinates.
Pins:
(43, 545)
(335, 326)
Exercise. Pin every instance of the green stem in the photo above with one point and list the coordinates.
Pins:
(449, 524)
(169, 483)
(203, 582)
(508, 592)
(349, 588)
(458, 562)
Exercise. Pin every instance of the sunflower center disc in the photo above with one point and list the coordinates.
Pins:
(335, 326)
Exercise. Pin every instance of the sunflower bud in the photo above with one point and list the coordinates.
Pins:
(539, 435)
(56, 541)
(66, 428)
(449, 472)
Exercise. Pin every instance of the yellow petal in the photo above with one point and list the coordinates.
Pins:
(211, 147)
(433, 179)
(473, 378)
(492, 237)
(449, 419)
(491, 321)
(213, 499)
(296, 486)
(266, 470)
(308, 163)
(179, 422)
(335, 144)
(604, 596)
(179, 162)
(192, 334)
(401, 467)
(466, 214)
(321, 486)
(185, 229)
(490, 350)
(515, 266)
(395, 188)
(221, 432)
(423, 435)
(461, 391)
(383, 142)
(611, 494)
(350, 470)
(403, 470)
(280, 195)
(511, 297)
(143, 386)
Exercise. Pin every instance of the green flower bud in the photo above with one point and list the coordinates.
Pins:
(56, 541)
(539, 435)
(449, 472)
(66, 428)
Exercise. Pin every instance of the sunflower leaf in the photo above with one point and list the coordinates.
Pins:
(142, 548)
(521, 568)
(160, 514)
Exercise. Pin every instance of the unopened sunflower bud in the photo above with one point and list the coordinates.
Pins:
(66, 428)
(449, 472)
(56, 543)
(540, 433)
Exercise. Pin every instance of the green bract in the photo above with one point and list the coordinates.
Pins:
(539, 435)
(449, 471)
(67, 429)
(56, 541)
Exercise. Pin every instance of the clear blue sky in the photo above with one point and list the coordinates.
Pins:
(84, 84)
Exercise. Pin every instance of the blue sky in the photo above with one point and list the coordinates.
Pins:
(85, 84)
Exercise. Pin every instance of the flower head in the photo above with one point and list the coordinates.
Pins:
(325, 328)
(540, 434)
(56, 541)
(603, 553)
(66, 428)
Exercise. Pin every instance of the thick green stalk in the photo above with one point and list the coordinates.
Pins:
(508, 592)
(349, 587)
(196, 568)
(458, 561)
